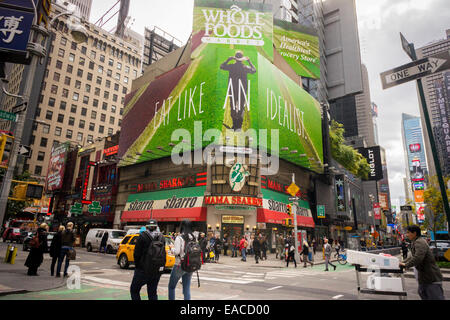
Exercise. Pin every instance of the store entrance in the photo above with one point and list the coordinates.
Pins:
(233, 230)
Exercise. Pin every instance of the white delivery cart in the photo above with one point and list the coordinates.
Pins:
(387, 276)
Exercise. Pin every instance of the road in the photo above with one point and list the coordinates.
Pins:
(231, 279)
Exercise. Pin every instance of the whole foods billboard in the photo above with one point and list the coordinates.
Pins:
(299, 46)
(56, 167)
(229, 90)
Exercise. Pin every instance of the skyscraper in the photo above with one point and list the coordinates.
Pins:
(84, 6)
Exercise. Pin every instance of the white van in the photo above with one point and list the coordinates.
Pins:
(94, 239)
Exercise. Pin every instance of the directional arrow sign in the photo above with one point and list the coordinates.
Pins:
(411, 71)
(25, 151)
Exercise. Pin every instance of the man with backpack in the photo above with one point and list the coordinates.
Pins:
(149, 259)
(187, 260)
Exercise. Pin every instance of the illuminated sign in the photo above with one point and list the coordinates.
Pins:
(86, 182)
(250, 201)
(171, 183)
(418, 185)
(419, 196)
(111, 151)
(233, 219)
(415, 147)
(271, 184)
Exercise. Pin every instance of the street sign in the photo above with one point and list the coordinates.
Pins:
(25, 151)
(7, 116)
(19, 108)
(293, 199)
(407, 46)
(293, 189)
(405, 208)
(416, 69)
(321, 212)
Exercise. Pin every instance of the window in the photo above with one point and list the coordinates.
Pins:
(117, 76)
(67, 81)
(49, 115)
(135, 74)
(106, 95)
(80, 73)
(51, 101)
(113, 109)
(69, 68)
(121, 111)
(111, 120)
(125, 79)
(109, 73)
(124, 90)
(69, 134)
(101, 129)
(41, 156)
(38, 170)
(56, 143)
(88, 88)
(91, 126)
(115, 97)
(59, 64)
(105, 106)
(93, 114)
(71, 57)
(82, 61)
(54, 90)
(97, 91)
(90, 138)
(38, 112)
(110, 131)
(44, 142)
(73, 45)
(91, 65)
(83, 50)
(75, 96)
(71, 121)
(108, 83)
(77, 84)
(93, 54)
(81, 124)
(65, 93)
(63, 105)
(85, 99)
(95, 103)
(100, 69)
(60, 118)
(63, 41)
(102, 58)
(73, 108)
(99, 80)
(83, 111)
(103, 117)
(111, 62)
(127, 69)
(61, 53)
(119, 66)
(89, 76)
(79, 136)
(56, 76)
(58, 131)
(116, 86)
(45, 128)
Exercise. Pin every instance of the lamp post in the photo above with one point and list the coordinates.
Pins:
(36, 48)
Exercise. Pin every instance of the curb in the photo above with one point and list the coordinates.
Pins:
(18, 291)
(411, 276)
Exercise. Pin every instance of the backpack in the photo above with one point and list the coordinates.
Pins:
(155, 256)
(192, 260)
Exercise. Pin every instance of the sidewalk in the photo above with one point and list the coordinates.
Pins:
(14, 278)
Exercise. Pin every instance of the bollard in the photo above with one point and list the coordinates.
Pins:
(11, 254)
(7, 254)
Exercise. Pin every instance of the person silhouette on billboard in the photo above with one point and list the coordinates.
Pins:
(238, 87)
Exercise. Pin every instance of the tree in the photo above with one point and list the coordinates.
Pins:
(347, 156)
(435, 218)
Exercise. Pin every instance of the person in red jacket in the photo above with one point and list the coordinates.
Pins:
(243, 247)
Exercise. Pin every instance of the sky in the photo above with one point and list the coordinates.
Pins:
(379, 22)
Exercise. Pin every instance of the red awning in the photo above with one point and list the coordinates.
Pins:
(193, 214)
(269, 216)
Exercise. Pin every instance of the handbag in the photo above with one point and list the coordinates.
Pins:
(71, 254)
(211, 254)
(34, 242)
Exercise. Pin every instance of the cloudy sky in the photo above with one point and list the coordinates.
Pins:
(380, 21)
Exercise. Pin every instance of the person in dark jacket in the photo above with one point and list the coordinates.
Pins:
(257, 243)
(141, 277)
(203, 242)
(290, 245)
(67, 241)
(225, 241)
(36, 255)
(55, 248)
(305, 252)
(104, 242)
(429, 275)
(217, 248)
(404, 249)
(264, 246)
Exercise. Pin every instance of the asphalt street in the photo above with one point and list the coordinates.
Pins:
(230, 279)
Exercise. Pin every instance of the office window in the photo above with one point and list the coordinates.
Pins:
(85, 99)
(73, 108)
(105, 106)
(111, 120)
(65, 93)
(38, 170)
(75, 96)
(93, 114)
(82, 61)
(59, 64)
(100, 69)
(113, 109)
(87, 88)
(44, 142)
(95, 103)
(41, 156)
(54, 89)
(101, 129)
(61, 53)
(79, 136)
(51, 101)
(63, 105)
(80, 73)
(110, 131)
(58, 131)
(45, 128)
(69, 68)
(103, 117)
(77, 84)
(89, 76)
(71, 57)
(67, 81)
(108, 83)
(83, 111)
(71, 121)
(81, 124)
(60, 118)
(49, 115)
(90, 139)
(56, 76)
(69, 134)
(91, 126)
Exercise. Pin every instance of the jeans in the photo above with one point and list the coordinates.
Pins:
(62, 255)
(175, 276)
(243, 251)
(431, 292)
(52, 267)
(233, 252)
(139, 280)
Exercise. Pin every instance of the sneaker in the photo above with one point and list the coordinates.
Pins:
(58, 275)
(326, 270)
(334, 268)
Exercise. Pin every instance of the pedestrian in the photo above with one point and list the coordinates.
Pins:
(67, 241)
(217, 248)
(290, 251)
(243, 248)
(337, 247)
(264, 247)
(234, 248)
(327, 252)
(279, 246)
(404, 249)
(38, 245)
(250, 248)
(257, 248)
(55, 248)
(429, 276)
(203, 243)
(149, 259)
(226, 244)
(182, 254)
(305, 253)
(103, 242)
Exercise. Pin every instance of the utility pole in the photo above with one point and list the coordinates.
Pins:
(297, 256)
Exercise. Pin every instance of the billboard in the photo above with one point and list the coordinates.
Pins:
(415, 147)
(229, 88)
(419, 196)
(373, 157)
(56, 167)
(299, 46)
(416, 172)
(384, 201)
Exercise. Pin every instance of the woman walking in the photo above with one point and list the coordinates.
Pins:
(291, 251)
(67, 241)
(55, 248)
(305, 253)
(38, 246)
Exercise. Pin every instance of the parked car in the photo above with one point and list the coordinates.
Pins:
(12, 234)
(439, 248)
(125, 254)
(26, 241)
(94, 239)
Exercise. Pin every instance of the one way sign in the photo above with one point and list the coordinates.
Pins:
(415, 70)
(25, 151)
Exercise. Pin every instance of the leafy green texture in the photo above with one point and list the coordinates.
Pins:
(435, 218)
(347, 156)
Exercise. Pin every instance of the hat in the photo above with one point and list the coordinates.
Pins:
(239, 56)
(152, 223)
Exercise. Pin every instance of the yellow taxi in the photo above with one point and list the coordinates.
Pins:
(125, 253)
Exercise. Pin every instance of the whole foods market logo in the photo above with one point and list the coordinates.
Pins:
(238, 173)
(233, 26)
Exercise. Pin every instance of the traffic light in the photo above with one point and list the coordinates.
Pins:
(288, 222)
(26, 190)
(20, 191)
(289, 209)
(34, 191)
(5, 150)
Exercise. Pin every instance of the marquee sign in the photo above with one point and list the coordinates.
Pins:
(230, 200)
(373, 157)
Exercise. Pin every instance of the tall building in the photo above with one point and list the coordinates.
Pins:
(157, 44)
(84, 6)
(416, 163)
(83, 91)
(375, 123)
(437, 95)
